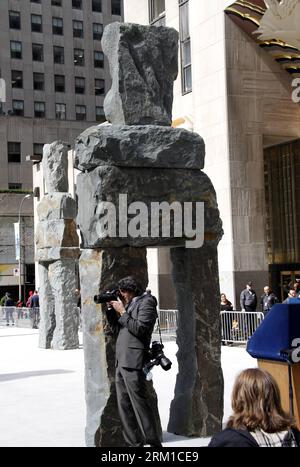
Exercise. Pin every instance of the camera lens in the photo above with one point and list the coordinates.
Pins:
(165, 363)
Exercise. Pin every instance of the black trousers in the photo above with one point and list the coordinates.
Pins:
(138, 420)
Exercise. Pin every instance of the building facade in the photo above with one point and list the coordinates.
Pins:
(238, 97)
(53, 82)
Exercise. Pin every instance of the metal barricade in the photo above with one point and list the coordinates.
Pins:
(238, 326)
(21, 316)
(22, 313)
(8, 313)
(27, 317)
(168, 321)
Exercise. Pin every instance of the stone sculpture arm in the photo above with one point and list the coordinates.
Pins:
(142, 326)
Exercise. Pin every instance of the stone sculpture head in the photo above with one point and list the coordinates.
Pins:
(143, 65)
(55, 167)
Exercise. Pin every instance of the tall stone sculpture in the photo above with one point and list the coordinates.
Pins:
(57, 250)
(128, 169)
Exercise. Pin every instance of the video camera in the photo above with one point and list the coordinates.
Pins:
(109, 296)
(157, 357)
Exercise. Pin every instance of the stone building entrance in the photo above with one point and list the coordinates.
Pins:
(282, 195)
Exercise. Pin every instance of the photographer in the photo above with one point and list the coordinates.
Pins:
(134, 314)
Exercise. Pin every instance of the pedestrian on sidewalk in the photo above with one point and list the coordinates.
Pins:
(35, 310)
(28, 302)
(9, 309)
(2, 301)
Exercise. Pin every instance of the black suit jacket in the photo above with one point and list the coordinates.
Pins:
(135, 328)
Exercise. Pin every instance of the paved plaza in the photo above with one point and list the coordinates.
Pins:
(42, 391)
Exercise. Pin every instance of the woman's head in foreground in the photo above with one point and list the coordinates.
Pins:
(256, 403)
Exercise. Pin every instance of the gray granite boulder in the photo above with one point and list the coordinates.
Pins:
(56, 206)
(197, 406)
(143, 66)
(56, 239)
(139, 146)
(58, 327)
(57, 233)
(62, 277)
(123, 186)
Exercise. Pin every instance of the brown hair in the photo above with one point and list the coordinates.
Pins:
(256, 403)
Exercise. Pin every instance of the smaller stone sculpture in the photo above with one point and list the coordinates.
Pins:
(57, 250)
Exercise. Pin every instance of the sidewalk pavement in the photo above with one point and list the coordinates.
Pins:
(42, 400)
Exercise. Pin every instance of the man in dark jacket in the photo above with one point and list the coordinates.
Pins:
(268, 299)
(248, 298)
(9, 309)
(134, 315)
(35, 309)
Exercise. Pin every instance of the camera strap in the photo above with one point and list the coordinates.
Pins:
(159, 331)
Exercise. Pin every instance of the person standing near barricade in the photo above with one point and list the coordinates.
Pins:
(248, 298)
(268, 299)
(248, 301)
(225, 304)
(9, 309)
(227, 320)
(35, 310)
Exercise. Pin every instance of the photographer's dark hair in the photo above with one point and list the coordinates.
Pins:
(129, 283)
